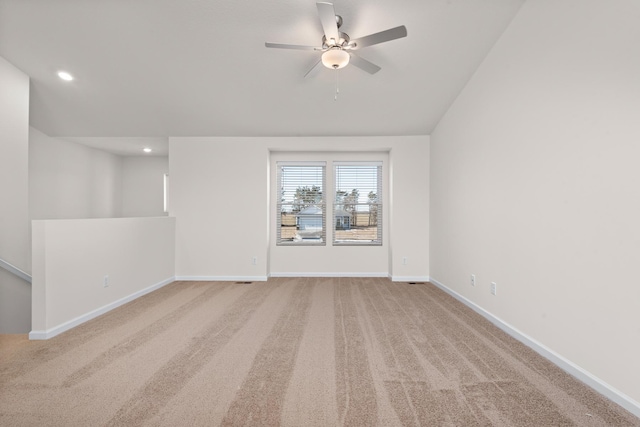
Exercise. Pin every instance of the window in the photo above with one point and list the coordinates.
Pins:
(165, 193)
(301, 208)
(357, 208)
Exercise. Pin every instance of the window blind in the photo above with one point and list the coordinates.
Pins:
(301, 207)
(357, 208)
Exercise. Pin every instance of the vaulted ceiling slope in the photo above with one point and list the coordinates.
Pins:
(157, 68)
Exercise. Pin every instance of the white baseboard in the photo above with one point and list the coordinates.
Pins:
(409, 278)
(566, 365)
(56, 330)
(306, 274)
(223, 278)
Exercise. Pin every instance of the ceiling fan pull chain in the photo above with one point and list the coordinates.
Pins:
(337, 86)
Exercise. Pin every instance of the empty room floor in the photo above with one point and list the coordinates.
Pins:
(292, 352)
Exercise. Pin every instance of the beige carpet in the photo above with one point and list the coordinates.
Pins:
(294, 352)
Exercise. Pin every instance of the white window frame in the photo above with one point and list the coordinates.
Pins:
(284, 203)
(362, 202)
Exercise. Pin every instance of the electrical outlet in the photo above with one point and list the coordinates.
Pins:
(254, 261)
(405, 261)
(105, 281)
(493, 288)
(473, 280)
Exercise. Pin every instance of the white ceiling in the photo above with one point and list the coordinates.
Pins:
(158, 68)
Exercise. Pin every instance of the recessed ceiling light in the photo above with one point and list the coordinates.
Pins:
(65, 76)
(146, 150)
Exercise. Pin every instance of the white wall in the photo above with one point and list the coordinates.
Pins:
(72, 257)
(220, 196)
(14, 198)
(218, 193)
(69, 180)
(72, 181)
(15, 304)
(534, 185)
(409, 214)
(143, 185)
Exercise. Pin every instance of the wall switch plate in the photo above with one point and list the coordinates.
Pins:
(473, 280)
(254, 260)
(493, 288)
(405, 261)
(105, 281)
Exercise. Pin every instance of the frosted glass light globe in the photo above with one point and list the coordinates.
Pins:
(335, 58)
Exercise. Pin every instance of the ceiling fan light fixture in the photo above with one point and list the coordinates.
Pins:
(335, 58)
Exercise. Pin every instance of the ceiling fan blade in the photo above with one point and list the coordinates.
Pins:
(328, 20)
(381, 37)
(289, 46)
(314, 70)
(363, 64)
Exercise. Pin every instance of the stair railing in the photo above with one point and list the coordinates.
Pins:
(15, 270)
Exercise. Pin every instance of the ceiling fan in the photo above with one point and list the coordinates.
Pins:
(337, 47)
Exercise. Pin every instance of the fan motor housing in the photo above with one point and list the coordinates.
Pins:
(342, 42)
